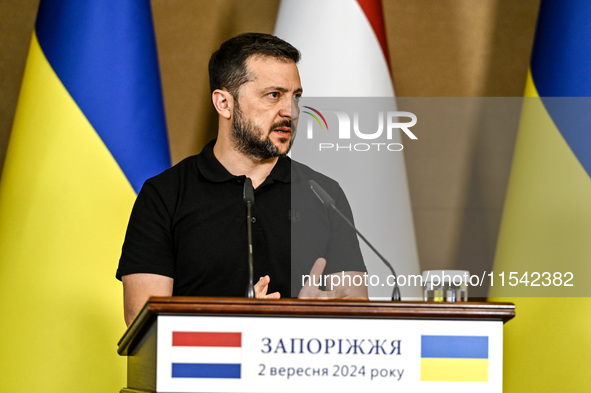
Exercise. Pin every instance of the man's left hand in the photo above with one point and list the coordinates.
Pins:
(345, 289)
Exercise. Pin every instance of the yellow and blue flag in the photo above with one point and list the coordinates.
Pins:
(454, 358)
(89, 129)
(546, 225)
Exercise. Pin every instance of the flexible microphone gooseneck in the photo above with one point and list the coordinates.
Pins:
(329, 202)
(248, 197)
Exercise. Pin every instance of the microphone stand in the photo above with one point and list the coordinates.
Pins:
(329, 202)
(249, 200)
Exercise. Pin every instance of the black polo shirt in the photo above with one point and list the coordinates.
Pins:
(189, 223)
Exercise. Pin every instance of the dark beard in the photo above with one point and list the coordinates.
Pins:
(246, 138)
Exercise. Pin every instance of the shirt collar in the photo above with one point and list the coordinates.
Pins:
(214, 171)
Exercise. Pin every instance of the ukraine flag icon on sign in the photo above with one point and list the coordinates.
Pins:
(454, 358)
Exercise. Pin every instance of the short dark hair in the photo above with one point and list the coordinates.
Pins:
(227, 66)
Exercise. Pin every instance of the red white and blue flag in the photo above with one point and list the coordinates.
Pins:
(206, 354)
(344, 54)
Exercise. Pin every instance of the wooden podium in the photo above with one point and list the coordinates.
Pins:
(186, 344)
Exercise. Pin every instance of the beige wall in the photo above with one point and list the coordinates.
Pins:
(447, 48)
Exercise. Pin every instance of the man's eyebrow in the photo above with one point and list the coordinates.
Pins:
(283, 89)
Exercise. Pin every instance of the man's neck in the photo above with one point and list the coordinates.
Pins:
(239, 164)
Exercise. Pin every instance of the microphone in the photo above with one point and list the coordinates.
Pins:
(330, 203)
(248, 196)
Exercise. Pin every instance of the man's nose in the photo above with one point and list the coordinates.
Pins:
(292, 109)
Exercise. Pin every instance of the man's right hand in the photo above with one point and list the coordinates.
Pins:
(261, 288)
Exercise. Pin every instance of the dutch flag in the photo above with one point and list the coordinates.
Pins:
(206, 354)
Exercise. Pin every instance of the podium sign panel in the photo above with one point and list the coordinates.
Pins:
(250, 354)
(345, 351)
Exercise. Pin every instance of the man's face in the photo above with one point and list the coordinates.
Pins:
(266, 112)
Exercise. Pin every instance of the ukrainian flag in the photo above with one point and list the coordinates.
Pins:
(454, 358)
(546, 224)
(89, 129)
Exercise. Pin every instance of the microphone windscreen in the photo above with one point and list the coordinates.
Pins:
(321, 194)
(248, 191)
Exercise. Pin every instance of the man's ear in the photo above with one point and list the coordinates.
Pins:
(223, 102)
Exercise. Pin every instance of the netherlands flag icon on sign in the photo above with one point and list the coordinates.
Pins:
(206, 354)
(454, 358)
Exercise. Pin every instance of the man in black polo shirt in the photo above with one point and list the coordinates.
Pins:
(187, 234)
